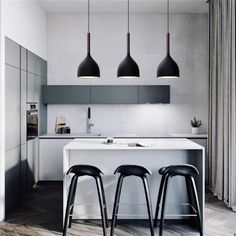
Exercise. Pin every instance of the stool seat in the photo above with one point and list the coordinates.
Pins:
(128, 170)
(81, 170)
(182, 170)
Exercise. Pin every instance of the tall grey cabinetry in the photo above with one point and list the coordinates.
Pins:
(20, 163)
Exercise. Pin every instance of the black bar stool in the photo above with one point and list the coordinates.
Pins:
(187, 171)
(132, 170)
(83, 170)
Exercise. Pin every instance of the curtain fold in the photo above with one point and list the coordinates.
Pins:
(222, 104)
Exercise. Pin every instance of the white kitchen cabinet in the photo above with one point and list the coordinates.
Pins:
(51, 159)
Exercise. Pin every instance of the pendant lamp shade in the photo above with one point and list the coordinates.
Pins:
(88, 68)
(128, 68)
(168, 68)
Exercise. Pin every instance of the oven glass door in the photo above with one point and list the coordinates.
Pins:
(32, 124)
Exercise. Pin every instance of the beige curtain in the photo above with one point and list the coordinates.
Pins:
(222, 122)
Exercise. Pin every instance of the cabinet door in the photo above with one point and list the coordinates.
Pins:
(51, 159)
(12, 124)
(23, 59)
(42, 110)
(23, 170)
(33, 88)
(32, 163)
(114, 94)
(12, 56)
(23, 100)
(12, 178)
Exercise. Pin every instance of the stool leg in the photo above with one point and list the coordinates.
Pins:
(116, 202)
(190, 197)
(194, 189)
(121, 183)
(149, 204)
(160, 192)
(163, 205)
(69, 200)
(104, 200)
(72, 200)
(102, 209)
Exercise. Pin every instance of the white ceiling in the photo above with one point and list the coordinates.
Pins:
(117, 6)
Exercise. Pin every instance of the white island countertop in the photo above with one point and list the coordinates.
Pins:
(123, 144)
(123, 135)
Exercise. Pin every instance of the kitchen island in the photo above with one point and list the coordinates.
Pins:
(155, 154)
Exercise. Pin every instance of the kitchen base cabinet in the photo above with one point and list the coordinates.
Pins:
(51, 159)
(23, 171)
(12, 178)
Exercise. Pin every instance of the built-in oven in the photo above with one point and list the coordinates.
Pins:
(32, 121)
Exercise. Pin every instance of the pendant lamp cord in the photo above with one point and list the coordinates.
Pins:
(168, 16)
(128, 15)
(88, 16)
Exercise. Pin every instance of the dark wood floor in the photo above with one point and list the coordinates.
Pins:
(41, 214)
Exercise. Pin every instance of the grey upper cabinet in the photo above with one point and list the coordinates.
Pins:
(12, 107)
(60, 94)
(154, 94)
(23, 58)
(114, 94)
(37, 65)
(75, 94)
(12, 56)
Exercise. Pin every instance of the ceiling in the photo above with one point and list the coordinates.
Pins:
(118, 6)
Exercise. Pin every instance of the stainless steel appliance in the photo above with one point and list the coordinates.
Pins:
(32, 121)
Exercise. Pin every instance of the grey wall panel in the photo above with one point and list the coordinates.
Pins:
(12, 124)
(12, 178)
(60, 94)
(12, 56)
(23, 100)
(154, 94)
(114, 94)
(23, 58)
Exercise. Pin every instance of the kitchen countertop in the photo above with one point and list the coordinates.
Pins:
(121, 144)
(123, 135)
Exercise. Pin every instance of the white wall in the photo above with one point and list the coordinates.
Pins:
(189, 47)
(25, 22)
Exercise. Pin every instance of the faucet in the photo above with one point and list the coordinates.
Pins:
(89, 123)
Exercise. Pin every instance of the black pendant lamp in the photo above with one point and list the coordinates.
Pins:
(88, 68)
(168, 68)
(128, 68)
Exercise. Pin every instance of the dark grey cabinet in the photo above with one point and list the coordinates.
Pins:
(154, 94)
(106, 94)
(114, 94)
(60, 94)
